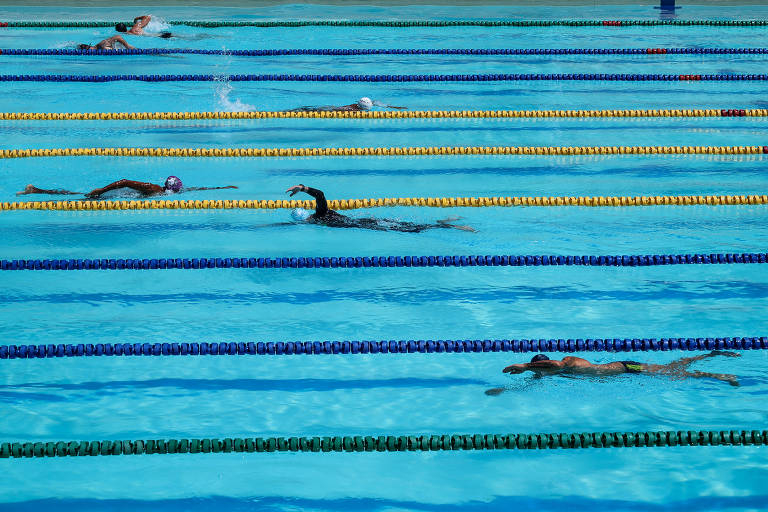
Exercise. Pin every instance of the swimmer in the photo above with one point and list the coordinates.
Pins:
(362, 105)
(327, 217)
(107, 44)
(542, 365)
(172, 185)
(138, 27)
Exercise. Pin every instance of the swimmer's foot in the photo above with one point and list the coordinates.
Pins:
(494, 391)
(447, 223)
(724, 353)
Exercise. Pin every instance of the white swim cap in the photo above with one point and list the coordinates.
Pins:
(300, 214)
(365, 103)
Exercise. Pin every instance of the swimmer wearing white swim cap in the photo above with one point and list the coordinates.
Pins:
(362, 105)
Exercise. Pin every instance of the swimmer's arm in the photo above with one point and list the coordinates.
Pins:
(190, 189)
(142, 21)
(538, 365)
(321, 205)
(145, 188)
(119, 39)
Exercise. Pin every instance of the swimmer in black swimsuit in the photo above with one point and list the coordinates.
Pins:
(327, 217)
(107, 44)
(541, 365)
(362, 105)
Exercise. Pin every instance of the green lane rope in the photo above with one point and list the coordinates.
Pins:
(422, 443)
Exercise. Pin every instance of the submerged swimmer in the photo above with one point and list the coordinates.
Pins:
(362, 105)
(327, 217)
(138, 27)
(107, 44)
(172, 185)
(542, 365)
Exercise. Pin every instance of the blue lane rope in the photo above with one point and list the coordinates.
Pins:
(643, 260)
(629, 77)
(382, 347)
(391, 51)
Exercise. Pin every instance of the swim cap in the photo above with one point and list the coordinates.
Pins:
(173, 184)
(121, 27)
(539, 357)
(365, 103)
(166, 35)
(300, 214)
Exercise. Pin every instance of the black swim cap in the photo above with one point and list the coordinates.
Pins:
(166, 35)
(539, 357)
(120, 27)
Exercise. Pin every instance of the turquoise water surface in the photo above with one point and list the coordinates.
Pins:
(242, 396)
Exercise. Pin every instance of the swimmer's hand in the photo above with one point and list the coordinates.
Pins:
(296, 189)
(515, 368)
(95, 193)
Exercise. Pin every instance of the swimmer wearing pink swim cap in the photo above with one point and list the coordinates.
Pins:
(362, 105)
(172, 185)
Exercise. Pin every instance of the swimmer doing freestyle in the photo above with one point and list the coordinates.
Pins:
(107, 44)
(542, 365)
(137, 29)
(327, 217)
(172, 185)
(362, 105)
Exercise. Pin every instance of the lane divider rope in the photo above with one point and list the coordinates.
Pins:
(388, 443)
(402, 23)
(619, 77)
(381, 347)
(352, 204)
(643, 260)
(390, 151)
(400, 114)
(389, 51)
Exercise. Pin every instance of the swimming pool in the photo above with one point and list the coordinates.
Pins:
(99, 398)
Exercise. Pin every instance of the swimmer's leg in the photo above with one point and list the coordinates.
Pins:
(685, 361)
(494, 391)
(446, 223)
(31, 189)
(733, 380)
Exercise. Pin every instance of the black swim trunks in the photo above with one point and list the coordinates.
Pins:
(633, 366)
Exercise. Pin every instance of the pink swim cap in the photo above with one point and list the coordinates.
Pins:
(173, 184)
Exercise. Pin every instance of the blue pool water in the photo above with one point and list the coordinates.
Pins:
(127, 398)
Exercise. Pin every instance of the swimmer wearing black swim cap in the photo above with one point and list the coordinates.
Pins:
(327, 217)
(542, 365)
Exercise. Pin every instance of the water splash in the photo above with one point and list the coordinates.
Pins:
(225, 103)
(157, 24)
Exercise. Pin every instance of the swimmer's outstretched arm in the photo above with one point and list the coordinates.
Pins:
(31, 189)
(538, 365)
(190, 189)
(321, 205)
(142, 21)
(148, 189)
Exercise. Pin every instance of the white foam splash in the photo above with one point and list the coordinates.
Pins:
(225, 104)
(157, 24)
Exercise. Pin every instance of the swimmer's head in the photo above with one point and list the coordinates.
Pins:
(539, 357)
(365, 103)
(173, 184)
(166, 35)
(300, 214)
(121, 27)
(85, 47)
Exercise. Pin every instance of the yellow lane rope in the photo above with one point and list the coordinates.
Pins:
(415, 114)
(392, 151)
(351, 204)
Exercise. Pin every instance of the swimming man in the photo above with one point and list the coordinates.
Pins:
(107, 44)
(362, 105)
(172, 185)
(327, 217)
(542, 365)
(138, 27)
